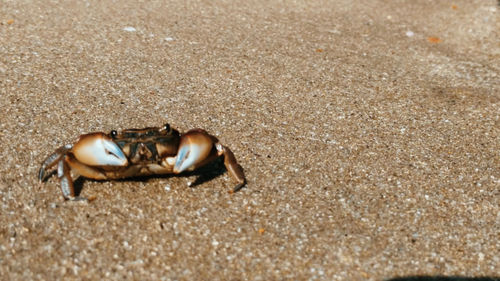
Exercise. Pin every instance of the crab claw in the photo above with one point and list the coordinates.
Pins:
(194, 148)
(97, 149)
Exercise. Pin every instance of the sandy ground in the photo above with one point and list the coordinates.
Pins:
(369, 133)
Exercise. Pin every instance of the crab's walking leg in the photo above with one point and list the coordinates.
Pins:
(232, 166)
(64, 175)
(50, 161)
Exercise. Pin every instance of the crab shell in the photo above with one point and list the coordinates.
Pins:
(138, 152)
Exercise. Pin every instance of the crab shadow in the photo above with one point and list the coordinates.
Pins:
(203, 174)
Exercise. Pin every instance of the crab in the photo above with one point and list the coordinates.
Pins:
(137, 152)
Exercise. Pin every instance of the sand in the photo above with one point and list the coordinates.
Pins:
(369, 133)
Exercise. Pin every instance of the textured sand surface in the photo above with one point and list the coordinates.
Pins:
(369, 133)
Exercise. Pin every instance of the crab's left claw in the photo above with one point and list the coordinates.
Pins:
(97, 149)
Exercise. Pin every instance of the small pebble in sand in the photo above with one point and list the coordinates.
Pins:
(130, 29)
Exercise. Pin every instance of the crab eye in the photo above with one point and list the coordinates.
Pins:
(114, 134)
(166, 127)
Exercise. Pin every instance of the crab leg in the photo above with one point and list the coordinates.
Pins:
(82, 169)
(233, 168)
(63, 172)
(65, 178)
(64, 175)
(52, 160)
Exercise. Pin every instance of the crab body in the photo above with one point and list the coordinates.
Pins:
(137, 152)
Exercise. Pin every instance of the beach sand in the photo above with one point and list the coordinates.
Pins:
(369, 133)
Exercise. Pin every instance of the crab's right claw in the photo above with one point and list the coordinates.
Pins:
(194, 151)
